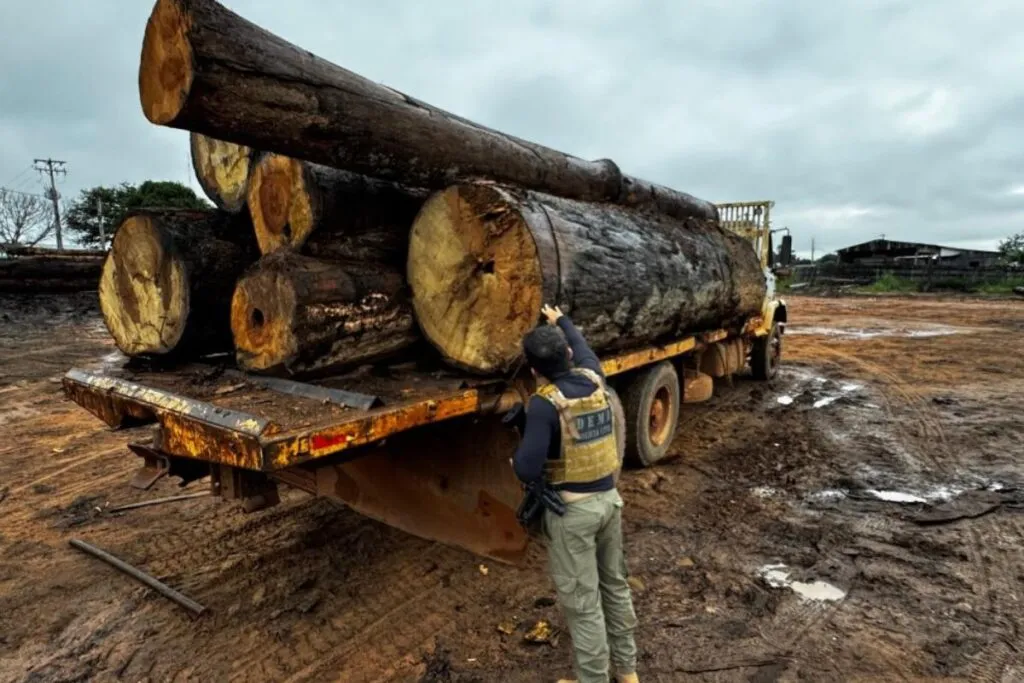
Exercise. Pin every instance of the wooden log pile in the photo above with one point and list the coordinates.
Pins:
(353, 221)
(26, 270)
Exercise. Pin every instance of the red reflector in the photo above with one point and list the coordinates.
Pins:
(319, 442)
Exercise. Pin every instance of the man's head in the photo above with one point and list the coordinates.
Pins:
(547, 351)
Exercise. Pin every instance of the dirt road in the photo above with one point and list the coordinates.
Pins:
(857, 520)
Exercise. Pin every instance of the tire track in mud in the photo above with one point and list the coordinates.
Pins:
(995, 572)
(371, 614)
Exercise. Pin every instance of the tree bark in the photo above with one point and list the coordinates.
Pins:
(222, 169)
(483, 260)
(167, 281)
(331, 214)
(292, 314)
(206, 69)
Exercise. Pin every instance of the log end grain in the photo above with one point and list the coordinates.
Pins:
(166, 67)
(222, 169)
(144, 289)
(475, 276)
(280, 203)
(292, 314)
(262, 312)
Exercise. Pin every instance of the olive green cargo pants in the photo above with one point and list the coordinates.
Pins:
(589, 570)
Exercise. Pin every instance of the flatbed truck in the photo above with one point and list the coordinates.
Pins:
(423, 451)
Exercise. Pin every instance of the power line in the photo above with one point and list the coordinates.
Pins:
(25, 170)
(27, 194)
(52, 167)
(24, 184)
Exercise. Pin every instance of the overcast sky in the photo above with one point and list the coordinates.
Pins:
(858, 117)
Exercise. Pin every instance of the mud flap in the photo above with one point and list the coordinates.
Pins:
(451, 482)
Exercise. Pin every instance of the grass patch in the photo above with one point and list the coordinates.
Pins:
(1001, 287)
(889, 283)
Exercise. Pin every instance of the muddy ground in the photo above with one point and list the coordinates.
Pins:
(857, 520)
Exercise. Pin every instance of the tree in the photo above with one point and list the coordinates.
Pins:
(829, 258)
(25, 219)
(1012, 248)
(83, 215)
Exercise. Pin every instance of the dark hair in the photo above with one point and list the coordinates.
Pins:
(547, 351)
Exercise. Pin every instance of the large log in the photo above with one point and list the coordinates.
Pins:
(483, 259)
(328, 213)
(167, 281)
(206, 69)
(293, 314)
(222, 169)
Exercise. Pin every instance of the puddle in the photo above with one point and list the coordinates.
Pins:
(822, 401)
(817, 590)
(826, 496)
(873, 332)
(930, 496)
(777, 576)
(896, 496)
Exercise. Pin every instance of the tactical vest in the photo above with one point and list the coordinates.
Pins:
(589, 450)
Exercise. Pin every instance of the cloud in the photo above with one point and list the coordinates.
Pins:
(858, 117)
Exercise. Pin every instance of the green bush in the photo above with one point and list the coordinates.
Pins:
(889, 283)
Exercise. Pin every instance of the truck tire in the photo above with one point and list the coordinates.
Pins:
(766, 354)
(651, 405)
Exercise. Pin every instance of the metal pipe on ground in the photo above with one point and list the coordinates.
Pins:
(182, 600)
(158, 501)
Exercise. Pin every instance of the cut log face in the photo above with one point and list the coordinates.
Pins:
(167, 280)
(329, 213)
(222, 169)
(475, 276)
(280, 206)
(144, 292)
(483, 259)
(292, 314)
(206, 69)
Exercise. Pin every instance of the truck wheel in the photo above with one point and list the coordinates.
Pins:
(619, 415)
(652, 413)
(766, 354)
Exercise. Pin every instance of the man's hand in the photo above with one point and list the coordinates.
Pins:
(552, 314)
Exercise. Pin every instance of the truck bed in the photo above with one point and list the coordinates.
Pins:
(224, 416)
(218, 415)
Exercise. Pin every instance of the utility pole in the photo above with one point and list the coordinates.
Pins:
(812, 249)
(52, 167)
(99, 215)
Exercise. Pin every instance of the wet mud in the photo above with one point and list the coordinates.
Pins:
(858, 519)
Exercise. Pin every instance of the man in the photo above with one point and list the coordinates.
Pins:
(569, 439)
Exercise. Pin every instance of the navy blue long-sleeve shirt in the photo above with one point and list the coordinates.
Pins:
(542, 437)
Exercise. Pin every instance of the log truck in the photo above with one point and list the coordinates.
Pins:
(422, 450)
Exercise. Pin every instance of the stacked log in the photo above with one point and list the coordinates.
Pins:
(483, 260)
(257, 89)
(223, 170)
(380, 217)
(330, 213)
(294, 314)
(167, 282)
(38, 271)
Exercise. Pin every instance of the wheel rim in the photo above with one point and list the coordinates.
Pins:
(660, 417)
